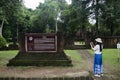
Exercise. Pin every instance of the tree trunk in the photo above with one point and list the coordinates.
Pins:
(1, 27)
(96, 15)
(111, 29)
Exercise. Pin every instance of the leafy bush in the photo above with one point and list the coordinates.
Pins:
(2, 41)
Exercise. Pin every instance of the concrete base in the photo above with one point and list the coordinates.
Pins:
(40, 59)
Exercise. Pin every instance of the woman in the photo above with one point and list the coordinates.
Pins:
(98, 67)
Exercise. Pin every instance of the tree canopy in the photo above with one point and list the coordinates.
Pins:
(57, 15)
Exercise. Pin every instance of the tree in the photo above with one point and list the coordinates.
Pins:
(111, 17)
(2, 16)
(96, 10)
(75, 18)
(10, 12)
(46, 15)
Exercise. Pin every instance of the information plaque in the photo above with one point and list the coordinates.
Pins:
(36, 42)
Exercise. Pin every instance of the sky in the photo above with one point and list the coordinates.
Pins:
(34, 3)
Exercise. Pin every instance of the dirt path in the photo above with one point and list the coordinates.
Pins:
(88, 58)
(41, 72)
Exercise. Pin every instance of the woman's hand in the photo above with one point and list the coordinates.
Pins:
(91, 44)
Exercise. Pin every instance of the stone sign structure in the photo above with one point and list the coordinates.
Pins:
(40, 49)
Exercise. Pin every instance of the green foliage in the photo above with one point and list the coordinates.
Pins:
(73, 18)
(75, 57)
(111, 17)
(106, 14)
(10, 11)
(2, 41)
(45, 16)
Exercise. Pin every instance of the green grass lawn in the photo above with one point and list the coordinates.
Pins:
(5, 56)
(110, 58)
(76, 58)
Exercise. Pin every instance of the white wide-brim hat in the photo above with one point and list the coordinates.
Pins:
(98, 40)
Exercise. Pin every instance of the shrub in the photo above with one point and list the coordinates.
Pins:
(2, 41)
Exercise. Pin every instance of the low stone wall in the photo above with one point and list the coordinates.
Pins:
(55, 78)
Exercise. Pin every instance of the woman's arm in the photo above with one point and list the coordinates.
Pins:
(92, 45)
